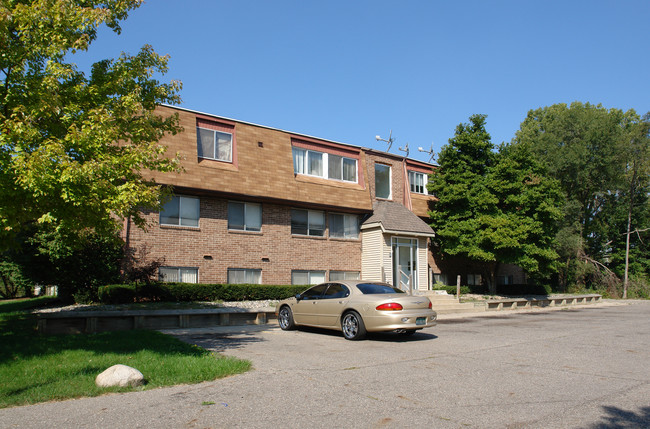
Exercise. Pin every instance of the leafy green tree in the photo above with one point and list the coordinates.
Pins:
(61, 165)
(599, 156)
(493, 208)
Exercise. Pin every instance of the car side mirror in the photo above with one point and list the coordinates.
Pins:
(298, 297)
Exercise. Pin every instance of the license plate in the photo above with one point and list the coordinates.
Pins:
(421, 321)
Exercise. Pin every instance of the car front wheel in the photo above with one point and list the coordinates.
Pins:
(352, 326)
(285, 319)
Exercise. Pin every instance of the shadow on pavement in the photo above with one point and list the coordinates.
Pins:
(620, 418)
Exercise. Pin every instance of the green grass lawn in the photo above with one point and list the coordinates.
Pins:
(37, 368)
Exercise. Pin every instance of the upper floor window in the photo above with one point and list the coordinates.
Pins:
(244, 216)
(418, 182)
(307, 222)
(326, 165)
(382, 181)
(180, 211)
(213, 144)
(344, 225)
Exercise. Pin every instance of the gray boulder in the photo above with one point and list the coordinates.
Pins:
(120, 375)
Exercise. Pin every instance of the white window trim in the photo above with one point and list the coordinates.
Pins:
(326, 165)
(425, 181)
(344, 237)
(246, 270)
(358, 273)
(390, 181)
(180, 202)
(179, 276)
(308, 234)
(245, 226)
(214, 158)
(309, 274)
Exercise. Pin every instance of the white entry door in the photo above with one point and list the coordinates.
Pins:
(405, 271)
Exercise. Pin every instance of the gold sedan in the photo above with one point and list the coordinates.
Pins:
(355, 308)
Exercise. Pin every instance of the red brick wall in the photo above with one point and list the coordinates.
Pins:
(186, 247)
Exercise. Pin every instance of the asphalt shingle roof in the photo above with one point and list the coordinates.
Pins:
(396, 217)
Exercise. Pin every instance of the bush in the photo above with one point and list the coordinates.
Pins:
(452, 289)
(187, 292)
(116, 294)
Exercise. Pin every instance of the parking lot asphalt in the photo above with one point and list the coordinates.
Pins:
(583, 367)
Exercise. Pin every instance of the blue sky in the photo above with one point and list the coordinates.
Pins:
(350, 70)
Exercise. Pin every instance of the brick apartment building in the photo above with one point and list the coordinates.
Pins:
(262, 205)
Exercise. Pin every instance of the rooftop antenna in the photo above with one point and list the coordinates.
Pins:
(430, 152)
(405, 149)
(389, 141)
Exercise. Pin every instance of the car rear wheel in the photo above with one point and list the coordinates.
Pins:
(352, 326)
(285, 319)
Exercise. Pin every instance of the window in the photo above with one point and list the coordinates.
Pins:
(344, 275)
(336, 290)
(418, 182)
(326, 165)
(244, 276)
(213, 144)
(473, 279)
(504, 280)
(304, 277)
(314, 293)
(377, 288)
(344, 225)
(178, 274)
(307, 222)
(341, 168)
(440, 278)
(382, 181)
(180, 211)
(244, 216)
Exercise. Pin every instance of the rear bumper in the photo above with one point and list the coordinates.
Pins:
(398, 320)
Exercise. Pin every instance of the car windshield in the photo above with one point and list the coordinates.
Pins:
(374, 288)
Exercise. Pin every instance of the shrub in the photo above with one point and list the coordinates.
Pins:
(187, 292)
(116, 294)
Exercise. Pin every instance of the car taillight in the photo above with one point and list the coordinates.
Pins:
(430, 305)
(389, 306)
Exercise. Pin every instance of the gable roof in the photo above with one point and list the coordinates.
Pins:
(395, 218)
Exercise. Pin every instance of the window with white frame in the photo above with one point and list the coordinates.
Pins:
(344, 225)
(244, 216)
(473, 279)
(178, 274)
(344, 275)
(180, 211)
(307, 222)
(213, 144)
(326, 165)
(418, 182)
(382, 181)
(504, 280)
(244, 276)
(306, 277)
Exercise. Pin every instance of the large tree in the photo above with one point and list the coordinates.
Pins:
(493, 207)
(74, 145)
(600, 157)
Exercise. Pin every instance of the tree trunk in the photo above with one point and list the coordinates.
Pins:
(492, 278)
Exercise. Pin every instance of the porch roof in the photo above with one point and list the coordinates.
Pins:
(395, 218)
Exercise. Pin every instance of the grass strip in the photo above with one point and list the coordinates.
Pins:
(37, 368)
